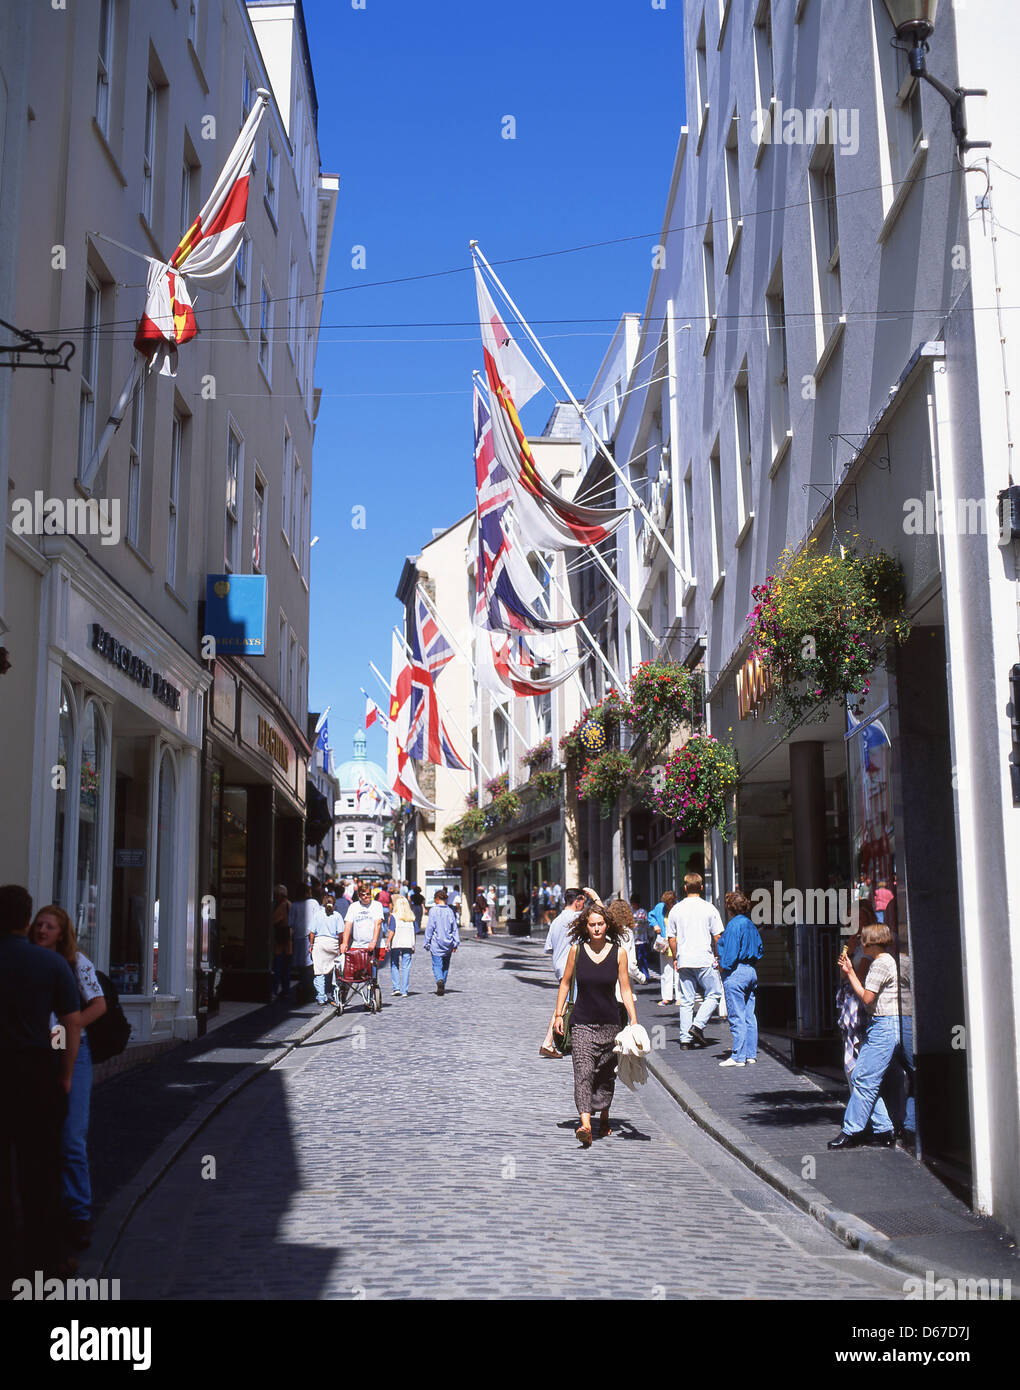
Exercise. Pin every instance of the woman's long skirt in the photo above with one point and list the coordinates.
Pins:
(594, 1065)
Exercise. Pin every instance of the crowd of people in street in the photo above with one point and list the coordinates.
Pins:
(702, 958)
(51, 994)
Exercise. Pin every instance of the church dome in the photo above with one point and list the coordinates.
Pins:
(360, 771)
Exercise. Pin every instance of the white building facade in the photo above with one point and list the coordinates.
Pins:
(821, 360)
(119, 724)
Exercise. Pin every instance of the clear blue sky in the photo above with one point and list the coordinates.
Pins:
(412, 96)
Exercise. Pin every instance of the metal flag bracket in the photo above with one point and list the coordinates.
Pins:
(32, 352)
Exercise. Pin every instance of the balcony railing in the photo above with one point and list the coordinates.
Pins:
(532, 806)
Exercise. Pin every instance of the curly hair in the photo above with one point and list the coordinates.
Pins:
(621, 914)
(578, 930)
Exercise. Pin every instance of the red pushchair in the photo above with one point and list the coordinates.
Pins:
(359, 978)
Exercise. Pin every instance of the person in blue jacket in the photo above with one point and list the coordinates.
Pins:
(657, 920)
(441, 939)
(739, 949)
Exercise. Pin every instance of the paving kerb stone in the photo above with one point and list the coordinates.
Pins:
(118, 1211)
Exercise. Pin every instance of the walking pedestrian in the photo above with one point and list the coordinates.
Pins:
(35, 1082)
(534, 908)
(598, 963)
(641, 934)
(667, 975)
(53, 930)
(325, 944)
(417, 901)
(441, 939)
(882, 995)
(401, 945)
(363, 923)
(739, 949)
(283, 941)
(479, 915)
(303, 912)
(557, 944)
(692, 928)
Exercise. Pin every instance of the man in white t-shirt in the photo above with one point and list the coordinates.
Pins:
(363, 921)
(692, 929)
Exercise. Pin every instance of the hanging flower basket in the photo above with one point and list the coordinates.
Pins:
(471, 824)
(662, 697)
(696, 783)
(539, 756)
(604, 778)
(820, 626)
(471, 800)
(606, 715)
(496, 786)
(544, 783)
(505, 807)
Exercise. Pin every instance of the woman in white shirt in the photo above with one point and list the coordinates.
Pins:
(401, 945)
(54, 930)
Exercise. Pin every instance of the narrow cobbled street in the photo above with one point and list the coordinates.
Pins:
(428, 1152)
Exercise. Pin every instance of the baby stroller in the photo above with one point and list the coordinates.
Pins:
(358, 978)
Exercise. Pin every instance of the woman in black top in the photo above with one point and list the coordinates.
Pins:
(599, 963)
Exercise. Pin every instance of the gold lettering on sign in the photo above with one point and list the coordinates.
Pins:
(273, 744)
(754, 686)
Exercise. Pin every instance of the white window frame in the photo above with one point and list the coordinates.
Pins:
(292, 308)
(349, 842)
(272, 178)
(295, 508)
(135, 446)
(149, 150)
(288, 468)
(281, 658)
(232, 499)
(241, 265)
(89, 370)
(247, 90)
(104, 65)
(306, 523)
(258, 521)
(266, 329)
(173, 499)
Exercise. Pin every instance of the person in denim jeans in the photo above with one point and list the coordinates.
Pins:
(54, 930)
(739, 948)
(880, 994)
(441, 939)
(692, 928)
(400, 941)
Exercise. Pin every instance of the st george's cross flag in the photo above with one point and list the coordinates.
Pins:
(507, 590)
(371, 712)
(205, 252)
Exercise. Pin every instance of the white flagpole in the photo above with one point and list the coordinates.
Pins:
(599, 558)
(617, 683)
(583, 414)
(114, 420)
(453, 721)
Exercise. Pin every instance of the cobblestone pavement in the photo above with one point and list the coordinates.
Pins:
(429, 1152)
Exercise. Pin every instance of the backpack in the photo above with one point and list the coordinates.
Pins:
(108, 1035)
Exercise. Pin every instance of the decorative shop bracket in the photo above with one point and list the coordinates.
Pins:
(32, 352)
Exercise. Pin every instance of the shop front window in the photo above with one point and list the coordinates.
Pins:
(90, 822)
(234, 856)
(65, 752)
(129, 896)
(163, 908)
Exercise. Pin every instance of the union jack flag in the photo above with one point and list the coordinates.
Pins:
(435, 649)
(500, 604)
(427, 739)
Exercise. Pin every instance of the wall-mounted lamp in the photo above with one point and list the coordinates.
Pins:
(914, 22)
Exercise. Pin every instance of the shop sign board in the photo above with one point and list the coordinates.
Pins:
(235, 612)
(260, 732)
